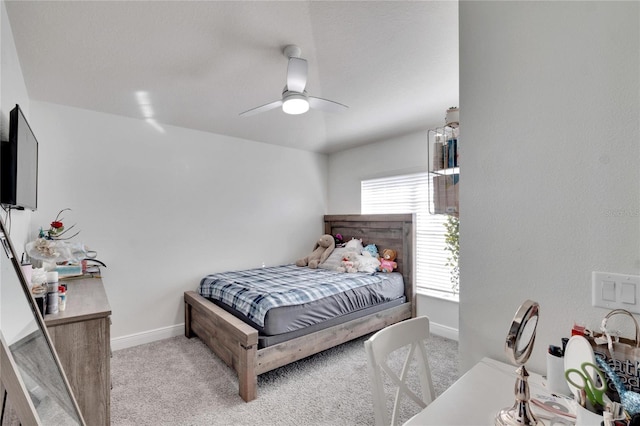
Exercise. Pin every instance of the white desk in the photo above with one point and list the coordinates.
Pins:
(478, 396)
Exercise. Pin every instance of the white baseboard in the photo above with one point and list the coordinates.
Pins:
(146, 337)
(176, 330)
(443, 331)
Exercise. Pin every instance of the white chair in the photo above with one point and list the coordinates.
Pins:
(410, 333)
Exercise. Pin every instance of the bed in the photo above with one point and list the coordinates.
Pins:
(242, 346)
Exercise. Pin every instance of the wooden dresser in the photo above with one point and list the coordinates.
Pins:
(81, 335)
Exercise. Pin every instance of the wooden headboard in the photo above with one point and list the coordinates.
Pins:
(394, 231)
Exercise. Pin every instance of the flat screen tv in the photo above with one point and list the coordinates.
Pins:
(19, 164)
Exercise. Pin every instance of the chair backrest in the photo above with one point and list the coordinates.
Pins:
(410, 334)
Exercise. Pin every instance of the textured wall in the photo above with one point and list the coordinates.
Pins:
(550, 105)
(163, 209)
(12, 92)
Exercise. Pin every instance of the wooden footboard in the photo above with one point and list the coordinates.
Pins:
(236, 343)
(232, 340)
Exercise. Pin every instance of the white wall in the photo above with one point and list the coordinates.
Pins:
(402, 155)
(550, 105)
(164, 209)
(443, 315)
(12, 91)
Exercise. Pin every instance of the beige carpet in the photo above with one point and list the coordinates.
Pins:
(179, 381)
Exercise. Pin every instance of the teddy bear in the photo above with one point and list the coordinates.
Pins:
(321, 251)
(349, 263)
(387, 261)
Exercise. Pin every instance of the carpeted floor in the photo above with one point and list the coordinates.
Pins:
(179, 381)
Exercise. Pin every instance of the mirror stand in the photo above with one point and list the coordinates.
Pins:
(520, 413)
(518, 346)
(29, 359)
(16, 393)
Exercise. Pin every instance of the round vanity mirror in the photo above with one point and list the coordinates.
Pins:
(522, 333)
(518, 346)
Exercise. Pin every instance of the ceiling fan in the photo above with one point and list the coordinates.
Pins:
(295, 99)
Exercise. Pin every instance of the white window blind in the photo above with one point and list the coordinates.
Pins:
(410, 194)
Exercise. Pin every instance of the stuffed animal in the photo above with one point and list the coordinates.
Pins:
(387, 262)
(354, 244)
(321, 251)
(371, 250)
(349, 263)
(368, 263)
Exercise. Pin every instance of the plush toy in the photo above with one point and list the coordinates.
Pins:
(371, 250)
(354, 244)
(368, 263)
(338, 238)
(349, 263)
(321, 251)
(387, 262)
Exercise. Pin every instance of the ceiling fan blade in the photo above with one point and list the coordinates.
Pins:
(297, 75)
(326, 105)
(262, 108)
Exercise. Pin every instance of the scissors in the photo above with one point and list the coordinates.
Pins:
(593, 388)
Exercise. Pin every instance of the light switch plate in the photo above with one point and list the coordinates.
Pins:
(628, 293)
(609, 291)
(615, 291)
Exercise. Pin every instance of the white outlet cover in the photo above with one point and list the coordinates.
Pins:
(615, 291)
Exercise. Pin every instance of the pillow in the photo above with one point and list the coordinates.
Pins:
(334, 260)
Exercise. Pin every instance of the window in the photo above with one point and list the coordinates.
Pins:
(410, 194)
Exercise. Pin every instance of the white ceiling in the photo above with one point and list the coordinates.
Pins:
(201, 63)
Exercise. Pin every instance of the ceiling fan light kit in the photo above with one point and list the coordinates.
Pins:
(294, 97)
(295, 103)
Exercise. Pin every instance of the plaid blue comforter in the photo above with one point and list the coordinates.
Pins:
(254, 291)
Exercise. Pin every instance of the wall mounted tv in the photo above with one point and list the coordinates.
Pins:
(19, 164)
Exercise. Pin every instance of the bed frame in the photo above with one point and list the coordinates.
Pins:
(236, 342)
